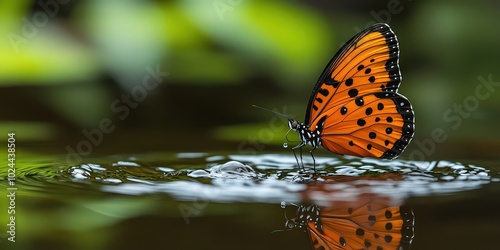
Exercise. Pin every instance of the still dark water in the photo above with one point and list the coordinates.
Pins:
(224, 201)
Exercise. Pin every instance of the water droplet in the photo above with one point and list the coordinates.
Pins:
(285, 145)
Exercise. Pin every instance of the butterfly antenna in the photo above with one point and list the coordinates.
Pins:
(280, 114)
(286, 217)
(272, 111)
(282, 230)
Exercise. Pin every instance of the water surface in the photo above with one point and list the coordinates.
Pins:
(223, 201)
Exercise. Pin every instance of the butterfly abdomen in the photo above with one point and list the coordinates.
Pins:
(307, 136)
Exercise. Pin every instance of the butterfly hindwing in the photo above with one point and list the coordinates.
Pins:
(377, 125)
(322, 240)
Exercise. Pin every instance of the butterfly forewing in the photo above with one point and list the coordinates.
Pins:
(363, 75)
(365, 63)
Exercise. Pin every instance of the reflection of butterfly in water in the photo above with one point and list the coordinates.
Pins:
(354, 108)
(370, 226)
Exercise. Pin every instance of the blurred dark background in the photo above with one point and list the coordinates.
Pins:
(71, 66)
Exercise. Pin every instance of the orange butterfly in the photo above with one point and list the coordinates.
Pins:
(354, 108)
(355, 225)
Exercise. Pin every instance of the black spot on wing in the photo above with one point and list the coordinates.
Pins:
(332, 82)
(324, 92)
(352, 92)
(343, 110)
(371, 220)
(361, 122)
(380, 106)
(349, 82)
(359, 101)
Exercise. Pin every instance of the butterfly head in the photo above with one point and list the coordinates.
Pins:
(293, 124)
(300, 128)
(294, 222)
(291, 224)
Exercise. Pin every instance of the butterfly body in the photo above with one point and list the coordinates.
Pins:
(354, 108)
(307, 136)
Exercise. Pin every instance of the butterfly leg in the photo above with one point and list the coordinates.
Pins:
(314, 160)
(302, 161)
(301, 164)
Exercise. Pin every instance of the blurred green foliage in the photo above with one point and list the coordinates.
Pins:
(62, 65)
